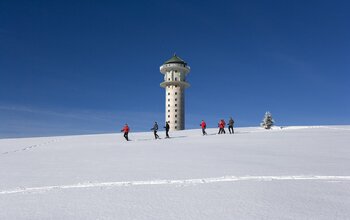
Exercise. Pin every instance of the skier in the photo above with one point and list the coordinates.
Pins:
(221, 126)
(155, 129)
(126, 130)
(167, 127)
(230, 125)
(204, 126)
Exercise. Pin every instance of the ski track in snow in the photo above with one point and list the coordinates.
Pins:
(31, 146)
(176, 182)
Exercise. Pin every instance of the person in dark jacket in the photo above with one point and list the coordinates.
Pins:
(203, 126)
(155, 129)
(167, 127)
(126, 130)
(230, 125)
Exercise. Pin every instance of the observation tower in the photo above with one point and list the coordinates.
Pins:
(175, 71)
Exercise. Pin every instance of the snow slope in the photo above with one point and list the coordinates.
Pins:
(290, 173)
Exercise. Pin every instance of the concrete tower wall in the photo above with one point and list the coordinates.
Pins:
(175, 107)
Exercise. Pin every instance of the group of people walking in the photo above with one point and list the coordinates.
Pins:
(155, 130)
(203, 125)
(222, 125)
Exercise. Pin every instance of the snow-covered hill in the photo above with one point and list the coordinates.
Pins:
(289, 173)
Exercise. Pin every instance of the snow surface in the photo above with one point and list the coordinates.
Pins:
(291, 173)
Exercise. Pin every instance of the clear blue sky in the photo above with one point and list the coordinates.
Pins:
(72, 67)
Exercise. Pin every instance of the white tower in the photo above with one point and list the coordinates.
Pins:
(175, 71)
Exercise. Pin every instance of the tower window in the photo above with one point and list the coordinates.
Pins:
(168, 105)
(175, 121)
(168, 93)
(175, 110)
(175, 116)
(175, 99)
(168, 116)
(169, 79)
(168, 100)
(175, 79)
(175, 93)
(175, 86)
(175, 127)
(168, 110)
(175, 104)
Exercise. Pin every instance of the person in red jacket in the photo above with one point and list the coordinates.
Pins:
(126, 130)
(221, 126)
(204, 126)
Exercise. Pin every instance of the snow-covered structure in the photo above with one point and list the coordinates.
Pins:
(175, 71)
(267, 121)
